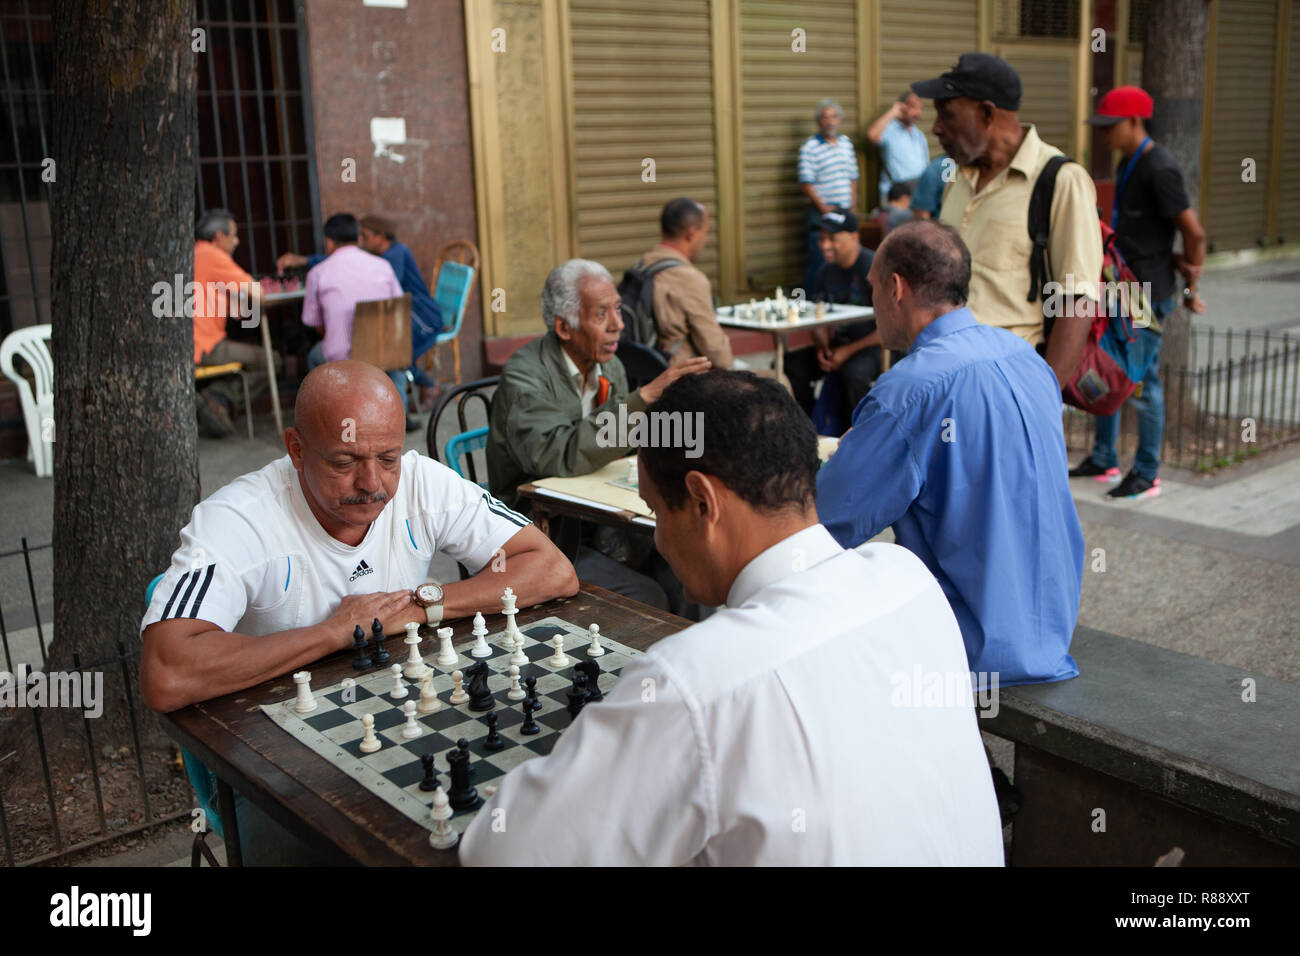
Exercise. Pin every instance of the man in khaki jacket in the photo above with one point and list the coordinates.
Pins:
(683, 301)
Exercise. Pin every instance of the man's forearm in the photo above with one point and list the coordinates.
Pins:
(534, 576)
(1069, 335)
(815, 199)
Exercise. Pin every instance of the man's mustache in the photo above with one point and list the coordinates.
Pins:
(377, 497)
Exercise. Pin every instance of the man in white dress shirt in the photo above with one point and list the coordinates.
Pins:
(782, 729)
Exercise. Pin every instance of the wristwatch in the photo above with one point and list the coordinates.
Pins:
(429, 597)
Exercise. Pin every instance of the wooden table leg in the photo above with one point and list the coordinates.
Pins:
(229, 825)
(270, 371)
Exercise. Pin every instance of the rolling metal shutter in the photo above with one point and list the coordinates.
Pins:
(1288, 222)
(920, 39)
(642, 89)
(1047, 81)
(1243, 102)
(780, 90)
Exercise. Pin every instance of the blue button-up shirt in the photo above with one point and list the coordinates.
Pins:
(959, 446)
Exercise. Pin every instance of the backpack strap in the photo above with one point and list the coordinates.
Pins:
(1040, 225)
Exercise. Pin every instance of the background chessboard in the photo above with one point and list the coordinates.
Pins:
(394, 772)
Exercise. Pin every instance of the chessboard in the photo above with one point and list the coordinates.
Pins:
(394, 772)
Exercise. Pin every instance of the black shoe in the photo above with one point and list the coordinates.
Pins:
(412, 424)
(1090, 469)
(214, 420)
(1135, 486)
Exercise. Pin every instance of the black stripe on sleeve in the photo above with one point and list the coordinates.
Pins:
(198, 600)
(172, 600)
(185, 599)
(501, 511)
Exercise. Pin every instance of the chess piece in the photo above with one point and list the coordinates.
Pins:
(480, 695)
(518, 658)
(362, 660)
(305, 702)
(530, 684)
(430, 781)
(512, 640)
(415, 668)
(480, 648)
(380, 656)
(594, 649)
(529, 726)
(494, 740)
(821, 310)
(446, 653)
(411, 729)
(458, 695)
(462, 795)
(559, 658)
(443, 836)
(369, 742)
(591, 670)
(399, 689)
(429, 701)
(577, 693)
(516, 692)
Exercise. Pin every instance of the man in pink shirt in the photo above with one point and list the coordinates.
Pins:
(348, 275)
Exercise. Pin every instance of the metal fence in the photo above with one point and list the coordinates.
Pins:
(1237, 396)
(63, 788)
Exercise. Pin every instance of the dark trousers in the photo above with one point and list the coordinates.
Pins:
(855, 376)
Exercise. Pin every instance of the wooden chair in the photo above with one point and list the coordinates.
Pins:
(453, 279)
(204, 372)
(381, 333)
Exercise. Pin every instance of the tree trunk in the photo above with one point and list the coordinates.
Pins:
(126, 457)
(1173, 72)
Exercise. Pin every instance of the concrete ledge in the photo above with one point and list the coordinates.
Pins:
(1172, 725)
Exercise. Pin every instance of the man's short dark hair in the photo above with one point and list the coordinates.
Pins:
(932, 258)
(898, 190)
(679, 215)
(212, 222)
(756, 440)
(342, 227)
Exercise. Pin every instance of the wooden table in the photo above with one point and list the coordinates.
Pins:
(316, 801)
(272, 299)
(780, 329)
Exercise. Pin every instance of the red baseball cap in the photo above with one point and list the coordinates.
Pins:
(1121, 103)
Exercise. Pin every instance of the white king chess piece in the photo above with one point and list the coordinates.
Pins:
(415, 668)
(512, 640)
(446, 653)
(481, 648)
(305, 703)
(594, 649)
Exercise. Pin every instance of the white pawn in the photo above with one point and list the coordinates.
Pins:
(305, 702)
(399, 689)
(458, 693)
(412, 728)
(480, 648)
(369, 743)
(517, 658)
(559, 658)
(443, 836)
(429, 701)
(446, 653)
(415, 667)
(595, 650)
(516, 692)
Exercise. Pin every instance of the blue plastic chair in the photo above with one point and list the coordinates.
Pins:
(455, 282)
(463, 446)
(202, 780)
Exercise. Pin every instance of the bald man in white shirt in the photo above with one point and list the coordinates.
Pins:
(783, 730)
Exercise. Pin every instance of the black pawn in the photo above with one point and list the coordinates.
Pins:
(362, 660)
(530, 686)
(529, 726)
(494, 740)
(380, 656)
(430, 781)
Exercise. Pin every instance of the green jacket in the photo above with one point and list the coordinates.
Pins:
(537, 429)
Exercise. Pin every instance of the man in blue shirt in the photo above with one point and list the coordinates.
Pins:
(904, 152)
(959, 447)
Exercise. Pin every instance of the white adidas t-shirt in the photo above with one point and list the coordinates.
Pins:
(254, 559)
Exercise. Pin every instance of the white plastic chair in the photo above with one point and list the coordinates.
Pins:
(32, 344)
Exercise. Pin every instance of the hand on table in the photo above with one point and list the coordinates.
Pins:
(654, 388)
(395, 609)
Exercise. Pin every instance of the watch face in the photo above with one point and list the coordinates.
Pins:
(428, 594)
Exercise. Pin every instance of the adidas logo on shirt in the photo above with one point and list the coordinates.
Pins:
(362, 570)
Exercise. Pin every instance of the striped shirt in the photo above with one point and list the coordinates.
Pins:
(830, 167)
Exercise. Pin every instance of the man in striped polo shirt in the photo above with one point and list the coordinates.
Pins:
(828, 176)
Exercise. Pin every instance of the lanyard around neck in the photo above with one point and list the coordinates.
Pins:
(1125, 170)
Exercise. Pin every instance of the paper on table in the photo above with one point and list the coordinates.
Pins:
(596, 487)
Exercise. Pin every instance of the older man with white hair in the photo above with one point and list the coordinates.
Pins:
(545, 421)
(828, 177)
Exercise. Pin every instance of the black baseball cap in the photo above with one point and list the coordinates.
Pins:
(981, 76)
(839, 220)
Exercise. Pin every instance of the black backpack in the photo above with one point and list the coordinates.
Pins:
(638, 305)
(1040, 230)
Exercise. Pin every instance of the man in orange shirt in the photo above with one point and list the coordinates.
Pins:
(222, 288)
